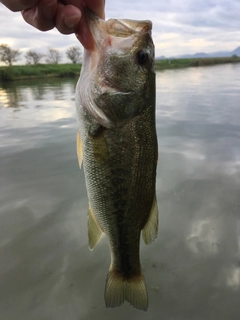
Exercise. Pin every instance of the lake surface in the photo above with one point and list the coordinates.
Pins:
(192, 270)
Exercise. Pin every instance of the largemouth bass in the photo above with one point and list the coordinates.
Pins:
(117, 144)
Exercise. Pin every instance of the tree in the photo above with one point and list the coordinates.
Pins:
(33, 57)
(8, 55)
(74, 54)
(53, 56)
(235, 57)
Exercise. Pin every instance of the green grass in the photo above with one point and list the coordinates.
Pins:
(72, 70)
(39, 71)
(185, 63)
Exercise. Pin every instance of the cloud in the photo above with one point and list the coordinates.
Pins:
(179, 27)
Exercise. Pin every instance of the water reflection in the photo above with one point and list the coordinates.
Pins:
(34, 99)
(11, 99)
(23, 93)
(198, 179)
(192, 270)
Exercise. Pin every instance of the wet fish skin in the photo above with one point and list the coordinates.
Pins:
(117, 143)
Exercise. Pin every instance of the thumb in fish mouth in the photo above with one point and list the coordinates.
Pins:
(94, 30)
(82, 31)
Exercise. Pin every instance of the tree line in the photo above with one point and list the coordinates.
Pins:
(53, 56)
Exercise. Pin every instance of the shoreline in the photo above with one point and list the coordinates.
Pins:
(193, 62)
(28, 72)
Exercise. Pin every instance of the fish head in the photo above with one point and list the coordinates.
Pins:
(118, 77)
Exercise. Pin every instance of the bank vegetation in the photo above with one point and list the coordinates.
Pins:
(195, 62)
(31, 71)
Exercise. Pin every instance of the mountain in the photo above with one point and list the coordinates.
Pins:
(161, 58)
(217, 54)
(236, 51)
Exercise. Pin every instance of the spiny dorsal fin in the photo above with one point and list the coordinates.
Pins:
(79, 149)
(150, 229)
(133, 290)
(94, 231)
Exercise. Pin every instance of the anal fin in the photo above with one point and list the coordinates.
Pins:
(94, 231)
(79, 149)
(150, 230)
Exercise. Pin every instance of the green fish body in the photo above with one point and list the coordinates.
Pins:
(117, 144)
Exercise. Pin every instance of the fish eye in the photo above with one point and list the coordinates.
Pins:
(142, 57)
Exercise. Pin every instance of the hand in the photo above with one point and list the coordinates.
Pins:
(66, 15)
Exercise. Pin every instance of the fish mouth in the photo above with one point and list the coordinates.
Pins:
(105, 31)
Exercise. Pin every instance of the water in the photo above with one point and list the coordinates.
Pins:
(192, 270)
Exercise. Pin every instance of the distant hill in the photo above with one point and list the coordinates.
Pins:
(236, 51)
(205, 55)
(161, 58)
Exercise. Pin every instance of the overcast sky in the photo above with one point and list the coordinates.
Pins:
(179, 27)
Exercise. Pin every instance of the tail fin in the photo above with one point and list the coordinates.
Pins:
(119, 289)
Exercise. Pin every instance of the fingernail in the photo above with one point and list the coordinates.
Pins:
(72, 21)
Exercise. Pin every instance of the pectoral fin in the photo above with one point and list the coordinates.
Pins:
(79, 149)
(150, 230)
(94, 231)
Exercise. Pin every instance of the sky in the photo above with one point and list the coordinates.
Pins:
(179, 27)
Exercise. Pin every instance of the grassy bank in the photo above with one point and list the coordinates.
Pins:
(185, 63)
(39, 71)
(72, 70)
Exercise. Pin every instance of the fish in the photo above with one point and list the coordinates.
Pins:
(117, 145)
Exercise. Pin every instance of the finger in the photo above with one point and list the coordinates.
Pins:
(96, 6)
(19, 5)
(42, 16)
(84, 34)
(67, 18)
